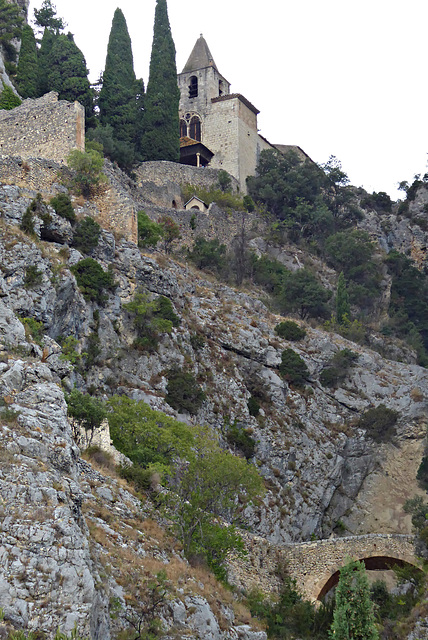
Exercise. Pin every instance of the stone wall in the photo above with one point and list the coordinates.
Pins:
(312, 564)
(113, 207)
(160, 182)
(43, 128)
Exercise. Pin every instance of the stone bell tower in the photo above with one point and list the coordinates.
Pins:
(225, 123)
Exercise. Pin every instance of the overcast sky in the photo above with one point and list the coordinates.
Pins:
(336, 77)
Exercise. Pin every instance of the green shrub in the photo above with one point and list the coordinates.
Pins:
(253, 406)
(237, 437)
(87, 167)
(86, 235)
(69, 351)
(136, 475)
(379, 422)
(183, 392)
(33, 276)
(338, 367)
(224, 180)
(63, 206)
(290, 330)
(92, 280)
(422, 474)
(293, 367)
(151, 439)
(87, 412)
(152, 318)
(36, 207)
(34, 328)
(8, 100)
(207, 254)
(149, 232)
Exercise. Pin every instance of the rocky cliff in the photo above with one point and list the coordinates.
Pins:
(76, 545)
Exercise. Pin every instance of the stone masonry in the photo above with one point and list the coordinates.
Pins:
(43, 128)
(314, 564)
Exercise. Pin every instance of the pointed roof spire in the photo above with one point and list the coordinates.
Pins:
(200, 57)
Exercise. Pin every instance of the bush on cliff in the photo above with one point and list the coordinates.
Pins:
(92, 280)
(151, 319)
(86, 235)
(87, 167)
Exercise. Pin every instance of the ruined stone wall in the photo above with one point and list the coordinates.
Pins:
(312, 563)
(43, 128)
(112, 207)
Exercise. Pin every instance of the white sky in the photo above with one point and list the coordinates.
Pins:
(336, 77)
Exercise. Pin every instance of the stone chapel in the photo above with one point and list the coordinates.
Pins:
(217, 127)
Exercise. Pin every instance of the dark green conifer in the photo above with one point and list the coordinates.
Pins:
(26, 77)
(8, 99)
(43, 59)
(117, 101)
(68, 75)
(160, 140)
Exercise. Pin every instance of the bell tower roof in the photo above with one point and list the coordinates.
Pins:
(200, 57)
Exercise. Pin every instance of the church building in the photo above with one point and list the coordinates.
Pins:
(217, 127)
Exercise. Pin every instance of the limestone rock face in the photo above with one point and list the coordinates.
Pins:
(74, 541)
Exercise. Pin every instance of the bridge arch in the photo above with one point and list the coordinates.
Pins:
(373, 563)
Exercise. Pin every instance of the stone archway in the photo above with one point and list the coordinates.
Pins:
(373, 563)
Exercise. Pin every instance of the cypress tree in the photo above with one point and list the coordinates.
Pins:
(43, 59)
(26, 77)
(353, 615)
(68, 75)
(160, 140)
(117, 101)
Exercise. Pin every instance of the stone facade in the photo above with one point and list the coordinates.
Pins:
(43, 128)
(315, 565)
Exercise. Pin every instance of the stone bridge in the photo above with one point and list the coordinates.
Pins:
(315, 565)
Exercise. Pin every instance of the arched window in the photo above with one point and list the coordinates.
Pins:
(195, 128)
(183, 128)
(193, 87)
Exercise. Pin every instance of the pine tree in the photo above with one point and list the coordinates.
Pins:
(46, 17)
(160, 139)
(342, 299)
(117, 101)
(26, 77)
(68, 74)
(353, 615)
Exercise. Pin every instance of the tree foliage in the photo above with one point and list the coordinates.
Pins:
(206, 485)
(46, 17)
(149, 232)
(151, 319)
(27, 71)
(353, 615)
(92, 280)
(8, 99)
(302, 292)
(118, 96)
(68, 75)
(160, 140)
(86, 412)
(293, 368)
(87, 167)
(11, 22)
